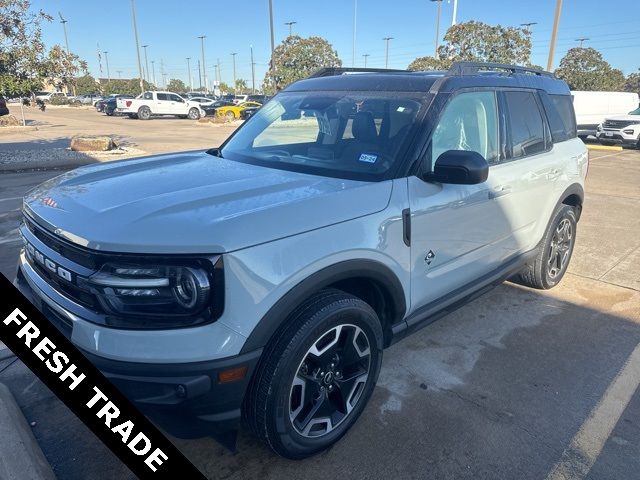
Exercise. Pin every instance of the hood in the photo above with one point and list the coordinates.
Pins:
(634, 118)
(194, 203)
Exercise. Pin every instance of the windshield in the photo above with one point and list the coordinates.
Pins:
(349, 135)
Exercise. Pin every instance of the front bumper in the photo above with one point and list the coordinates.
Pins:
(617, 136)
(186, 399)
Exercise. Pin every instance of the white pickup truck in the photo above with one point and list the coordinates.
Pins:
(150, 104)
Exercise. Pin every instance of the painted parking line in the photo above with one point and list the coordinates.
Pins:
(585, 447)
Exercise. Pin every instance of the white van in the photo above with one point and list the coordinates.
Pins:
(593, 107)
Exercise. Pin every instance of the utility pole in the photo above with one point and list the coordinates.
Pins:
(355, 16)
(153, 71)
(253, 72)
(119, 72)
(189, 73)
(554, 34)
(146, 63)
(386, 53)
(581, 40)
(290, 24)
(135, 34)
(164, 82)
(438, 26)
(199, 75)
(204, 70)
(233, 55)
(106, 59)
(64, 26)
(366, 55)
(220, 71)
(273, 45)
(455, 12)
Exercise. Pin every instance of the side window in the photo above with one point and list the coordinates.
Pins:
(469, 122)
(162, 96)
(176, 98)
(564, 106)
(525, 123)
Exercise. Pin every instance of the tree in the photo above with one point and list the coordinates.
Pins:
(126, 87)
(176, 85)
(479, 42)
(585, 69)
(632, 83)
(226, 89)
(296, 58)
(64, 67)
(86, 85)
(22, 63)
(241, 86)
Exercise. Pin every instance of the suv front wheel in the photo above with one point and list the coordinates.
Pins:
(317, 377)
(552, 260)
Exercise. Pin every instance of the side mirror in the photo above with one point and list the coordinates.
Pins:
(460, 167)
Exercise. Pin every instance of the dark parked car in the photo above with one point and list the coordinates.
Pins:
(100, 105)
(211, 108)
(259, 98)
(3, 106)
(248, 112)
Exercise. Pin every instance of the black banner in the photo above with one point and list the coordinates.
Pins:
(87, 393)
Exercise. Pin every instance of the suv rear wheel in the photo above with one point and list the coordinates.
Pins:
(144, 113)
(318, 375)
(552, 261)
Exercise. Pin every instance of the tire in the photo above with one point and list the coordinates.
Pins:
(347, 333)
(555, 250)
(230, 115)
(194, 114)
(144, 113)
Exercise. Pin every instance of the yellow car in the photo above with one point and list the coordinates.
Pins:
(232, 112)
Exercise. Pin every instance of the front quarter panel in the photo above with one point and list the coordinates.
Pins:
(257, 277)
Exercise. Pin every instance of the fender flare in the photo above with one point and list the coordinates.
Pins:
(573, 189)
(357, 268)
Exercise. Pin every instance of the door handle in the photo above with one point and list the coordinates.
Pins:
(500, 191)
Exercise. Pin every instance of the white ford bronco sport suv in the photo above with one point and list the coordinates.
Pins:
(262, 280)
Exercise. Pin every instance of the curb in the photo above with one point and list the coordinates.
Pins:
(20, 454)
(609, 148)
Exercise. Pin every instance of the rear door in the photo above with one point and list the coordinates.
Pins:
(527, 175)
(458, 232)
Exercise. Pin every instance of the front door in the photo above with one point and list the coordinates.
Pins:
(458, 232)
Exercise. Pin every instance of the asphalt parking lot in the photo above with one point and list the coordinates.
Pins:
(518, 384)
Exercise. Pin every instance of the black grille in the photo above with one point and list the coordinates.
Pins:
(618, 124)
(63, 248)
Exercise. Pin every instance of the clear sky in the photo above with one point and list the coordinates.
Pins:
(170, 28)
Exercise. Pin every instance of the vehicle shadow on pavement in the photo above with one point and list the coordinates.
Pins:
(496, 389)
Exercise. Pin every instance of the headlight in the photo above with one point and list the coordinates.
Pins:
(164, 294)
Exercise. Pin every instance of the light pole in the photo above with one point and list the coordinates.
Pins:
(554, 34)
(135, 34)
(204, 70)
(455, 12)
(162, 74)
(290, 24)
(366, 55)
(153, 71)
(355, 16)
(386, 52)
(437, 26)
(189, 73)
(253, 72)
(199, 76)
(119, 73)
(582, 40)
(273, 45)
(64, 26)
(233, 55)
(146, 62)
(106, 59)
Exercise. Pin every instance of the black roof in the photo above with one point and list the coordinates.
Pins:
(460, 75)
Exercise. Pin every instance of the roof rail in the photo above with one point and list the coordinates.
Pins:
(472, 68)
(335, 71)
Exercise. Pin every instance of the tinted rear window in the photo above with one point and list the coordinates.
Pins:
(562, 110)
(162, 96)
(526, 125)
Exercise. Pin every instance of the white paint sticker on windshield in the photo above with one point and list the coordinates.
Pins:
(272, 110)
(368, 158)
